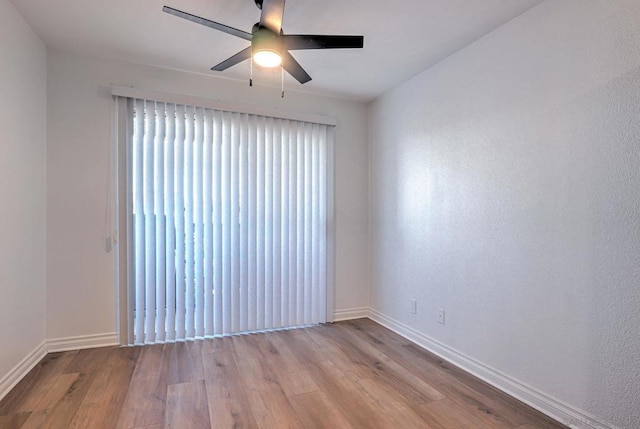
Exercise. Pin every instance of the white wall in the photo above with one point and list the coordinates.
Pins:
(80, 274)
(505, 189)
(22, 188)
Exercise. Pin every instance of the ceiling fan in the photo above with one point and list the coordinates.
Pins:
(269, 45)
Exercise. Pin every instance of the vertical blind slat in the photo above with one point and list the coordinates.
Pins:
(179, 205)
(170, 230)
(260, 230)
(189, 222)
(149, 232)
(252, 275)
(243, 212)
(276, 225)
(322, 224)
(217, 223)
(268, 226)
(207, 217)
(234, 206)
(292, 242)
(284, 225)
(230, 222)
(198, 234)
(138, 216)
(307, 211)
(226, 223)
(315, 213)
(300, 260)
(158, 198)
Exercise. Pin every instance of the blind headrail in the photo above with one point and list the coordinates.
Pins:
(189, 100)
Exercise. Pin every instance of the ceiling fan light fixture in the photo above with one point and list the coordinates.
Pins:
(266, 47)
(267, 58)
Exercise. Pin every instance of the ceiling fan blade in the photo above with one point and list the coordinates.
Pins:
(208, 23)
(311, 41)
(271, 16)
(245, 54)
(294, 69)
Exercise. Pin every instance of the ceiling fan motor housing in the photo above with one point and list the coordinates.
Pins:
(265, 40)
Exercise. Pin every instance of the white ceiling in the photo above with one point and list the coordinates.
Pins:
(402, 37)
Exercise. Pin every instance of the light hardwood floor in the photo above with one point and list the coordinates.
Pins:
(353, 374)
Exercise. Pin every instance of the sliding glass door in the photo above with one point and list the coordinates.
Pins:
(228, 221)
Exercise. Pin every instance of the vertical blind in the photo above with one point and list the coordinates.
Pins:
(229, 221)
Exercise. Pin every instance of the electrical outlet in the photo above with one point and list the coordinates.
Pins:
(441, 316)
(414, 306)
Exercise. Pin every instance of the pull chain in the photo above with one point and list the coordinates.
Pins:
(251, 72)
(282, 81)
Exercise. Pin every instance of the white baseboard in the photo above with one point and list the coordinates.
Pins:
(350, 314)
(82, 342)
(14, 376)
(18, 372)
(554, 408)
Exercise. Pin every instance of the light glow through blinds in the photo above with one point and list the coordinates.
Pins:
(229, 221)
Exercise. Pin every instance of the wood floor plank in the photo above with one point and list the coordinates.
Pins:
(43, 408)
(48, 380)
(36, 419)
(318, 411)
(393, 404)
(146, 398)
(292, 376)
(349, 363)
(474, 396)
(14, 421)
(387, 369)
(185, 362)
(102, 404)
(268, 401)
(28, 392)
(229, 405)
(86, 364)
(187, 406)
(58, 387)
(415, 390)
(449, 415)
(359, 410)
(303, 348)
(433, 370)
